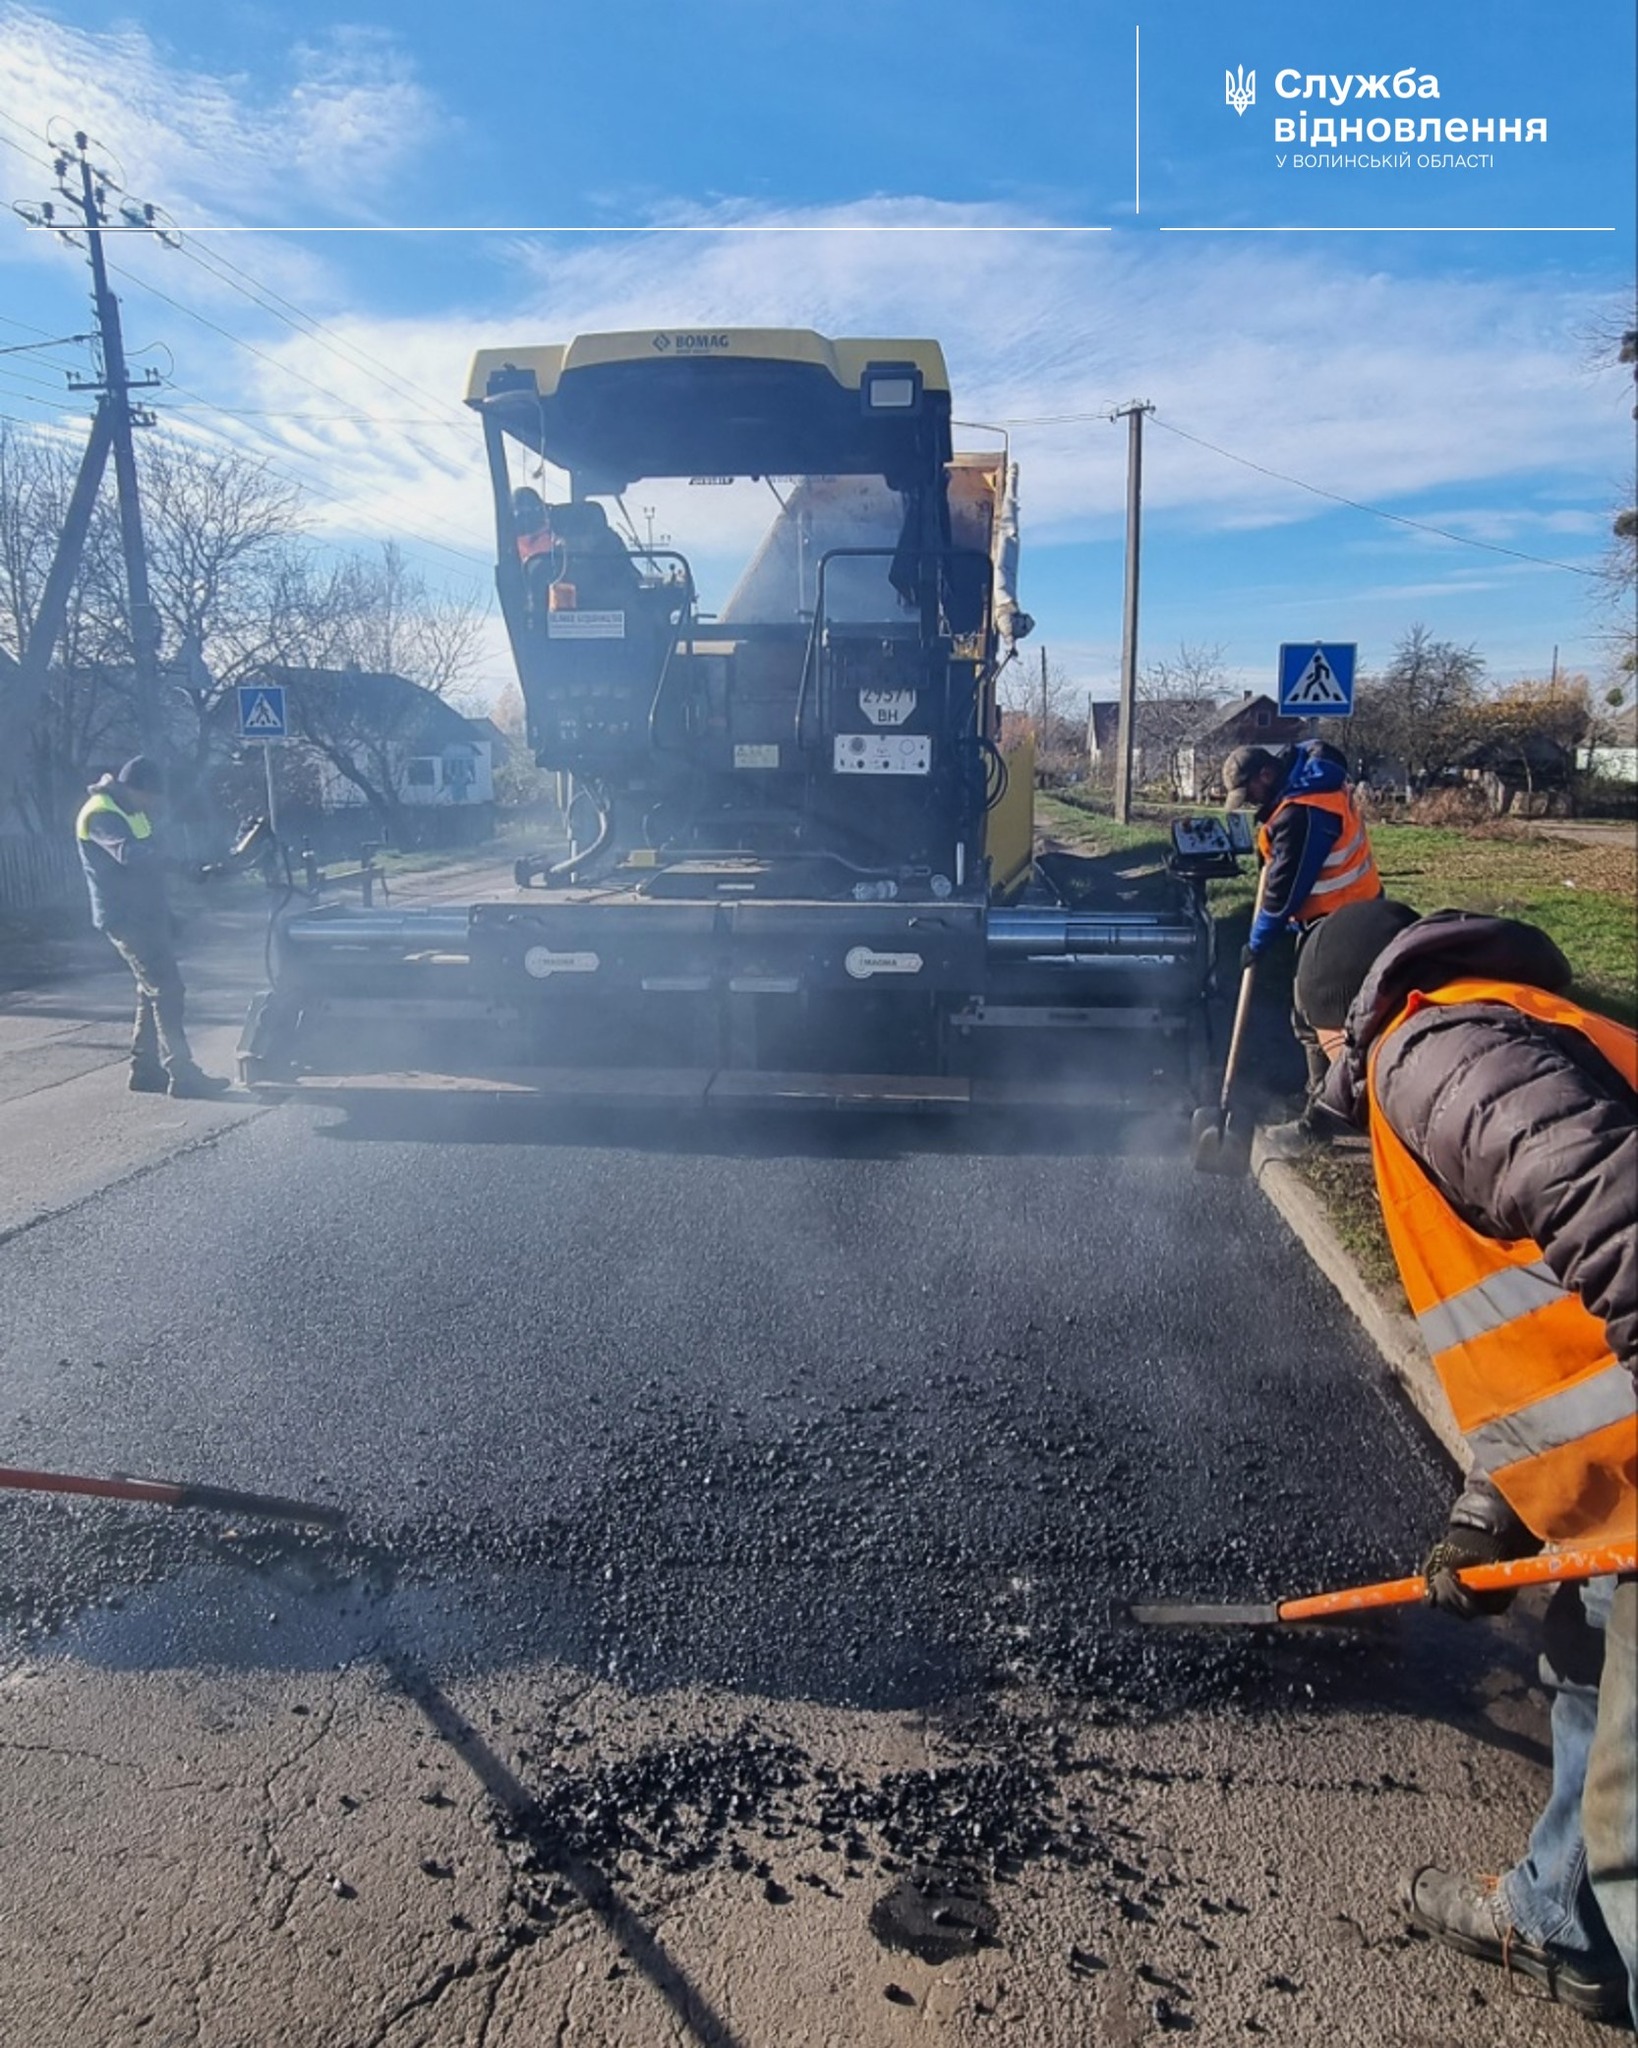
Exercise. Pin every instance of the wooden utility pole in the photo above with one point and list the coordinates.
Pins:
(115, 386)
(1133, 416)
(110, 434)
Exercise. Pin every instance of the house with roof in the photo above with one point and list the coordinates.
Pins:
(377, 739)
(1180, 743)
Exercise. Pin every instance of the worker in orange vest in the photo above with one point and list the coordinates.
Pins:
(1316, 856)
(1504, 1129)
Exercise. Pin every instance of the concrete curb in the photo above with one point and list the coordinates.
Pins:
(1392, 1331)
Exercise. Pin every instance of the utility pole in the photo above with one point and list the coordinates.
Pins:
(1041, 735)
(87, 190)
(1133, 415)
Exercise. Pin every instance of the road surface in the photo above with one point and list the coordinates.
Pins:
(729, 1644)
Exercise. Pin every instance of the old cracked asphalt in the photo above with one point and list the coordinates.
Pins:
(743, 1523)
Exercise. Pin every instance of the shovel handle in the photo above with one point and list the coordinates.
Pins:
(1550, 1567)
(168, 1493)
(1242, 1008)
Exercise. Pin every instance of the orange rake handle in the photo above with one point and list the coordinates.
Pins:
(1551, 1567)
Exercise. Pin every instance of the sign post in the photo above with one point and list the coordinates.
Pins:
(1317, 679)
(262, 717)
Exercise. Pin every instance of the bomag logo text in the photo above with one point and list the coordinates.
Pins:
(692, 344)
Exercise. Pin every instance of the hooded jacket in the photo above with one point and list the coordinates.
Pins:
(1301, 837)
(1560, 1166)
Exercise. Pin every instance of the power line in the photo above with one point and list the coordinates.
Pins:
(1376, 511)
(318, 419)
(21, 348)
(239, 342)
(305, 480)
(261, 294)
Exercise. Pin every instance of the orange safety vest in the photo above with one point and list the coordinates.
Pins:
(540, 542)
(1548, 1411)
(1349, 873)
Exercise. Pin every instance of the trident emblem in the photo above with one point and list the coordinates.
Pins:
(1240, 89)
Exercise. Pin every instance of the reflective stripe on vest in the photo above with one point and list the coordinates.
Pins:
(1555, 1421)
(1513, 1292)
(140, 823)
(1348, 873)
(1547, 1410)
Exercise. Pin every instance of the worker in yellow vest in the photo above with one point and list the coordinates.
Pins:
(1504, 1129)
(1316, 856)
(124, 868)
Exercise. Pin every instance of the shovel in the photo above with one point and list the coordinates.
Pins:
(169, 1493)
(1550, 1568)
(1215, 1144)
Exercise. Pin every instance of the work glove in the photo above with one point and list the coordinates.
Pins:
(1482, 1529)
(1248, 958)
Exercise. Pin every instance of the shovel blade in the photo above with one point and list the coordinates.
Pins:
(1178, 1614)
(1216, 1144)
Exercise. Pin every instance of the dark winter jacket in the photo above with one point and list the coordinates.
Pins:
(124, 874)
(1301, 837)
(1525, 1128)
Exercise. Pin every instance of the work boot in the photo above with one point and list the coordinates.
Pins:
(1290, 1141)
(1468, 1913)
(148, 1077)
(195, 1085)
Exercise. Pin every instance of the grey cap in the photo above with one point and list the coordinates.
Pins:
(1238, 770)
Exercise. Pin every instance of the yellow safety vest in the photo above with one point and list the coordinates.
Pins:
(140, 823)
(1547, 1409)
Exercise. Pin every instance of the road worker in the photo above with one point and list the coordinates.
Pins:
(1504, 1128)
(125, 875)
(1316, 856)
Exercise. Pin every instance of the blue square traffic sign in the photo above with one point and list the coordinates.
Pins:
(1317, 678)
(261, 712)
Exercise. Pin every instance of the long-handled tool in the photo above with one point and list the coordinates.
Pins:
(168, 1493)
(1217, 1145)
(1551, 1567)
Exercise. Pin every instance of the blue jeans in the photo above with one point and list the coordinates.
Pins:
(1576, 1887)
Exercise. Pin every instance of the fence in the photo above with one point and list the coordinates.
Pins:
(37, 874)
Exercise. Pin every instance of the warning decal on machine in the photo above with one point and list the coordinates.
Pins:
(878, 753)
(586, 625)
(541, 961)
(864, 961)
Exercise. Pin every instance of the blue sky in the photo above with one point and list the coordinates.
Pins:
(1092, 223)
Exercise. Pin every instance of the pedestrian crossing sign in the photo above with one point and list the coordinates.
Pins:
(1317, 679)
(261, 712)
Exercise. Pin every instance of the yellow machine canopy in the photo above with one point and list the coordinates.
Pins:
(736, 401)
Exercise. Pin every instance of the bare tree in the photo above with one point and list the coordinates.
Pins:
(1176, 694)
(1041, 701)
(362, 626)
(218, 529)
(1422, 713)
(86, 708)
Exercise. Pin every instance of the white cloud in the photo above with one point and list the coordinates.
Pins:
(328, 135)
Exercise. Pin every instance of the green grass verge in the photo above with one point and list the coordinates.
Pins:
(1585, 897)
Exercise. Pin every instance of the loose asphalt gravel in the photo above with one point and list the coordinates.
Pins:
(877, 1414)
